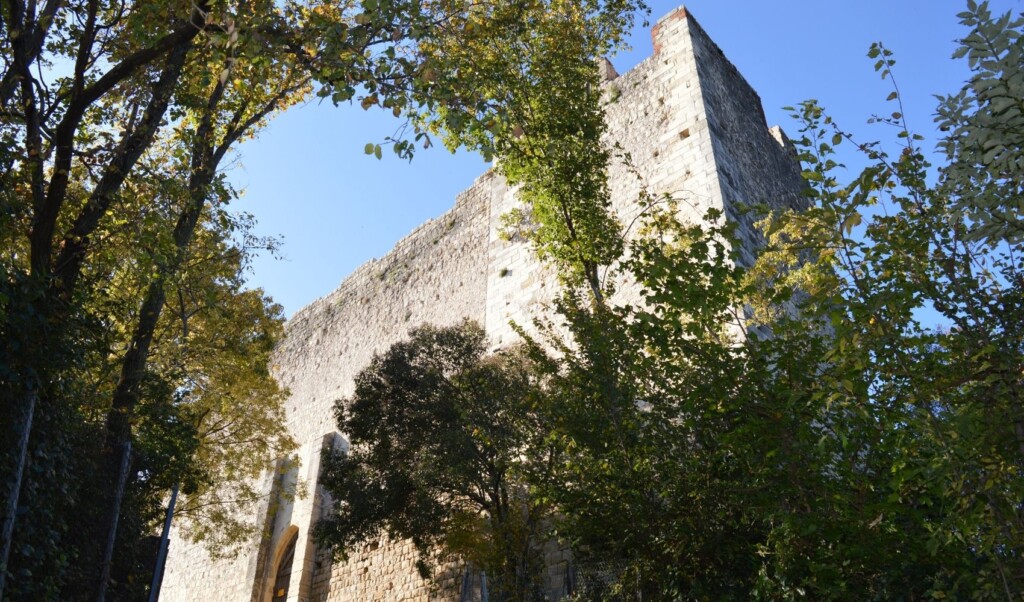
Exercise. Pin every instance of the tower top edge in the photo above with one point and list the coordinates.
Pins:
(679, 12)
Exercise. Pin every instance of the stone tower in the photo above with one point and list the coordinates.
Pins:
(694, 128)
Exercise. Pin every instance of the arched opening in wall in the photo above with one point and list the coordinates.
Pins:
(283, 575)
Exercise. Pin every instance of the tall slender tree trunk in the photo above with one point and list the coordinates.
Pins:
(126, 394)
(206, 155)
(116, 465)
(119, 429)
(133, 365)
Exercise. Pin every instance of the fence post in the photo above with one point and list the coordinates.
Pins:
(465, 595)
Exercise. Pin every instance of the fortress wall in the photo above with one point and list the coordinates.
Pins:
(660, 121)
(434, 275)
(190, 574)
(692, 128)
(518, 286)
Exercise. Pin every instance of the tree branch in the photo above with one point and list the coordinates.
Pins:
(45, 218)
(76, 242)
(33, 47)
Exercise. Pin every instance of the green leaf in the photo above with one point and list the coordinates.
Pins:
(852, 221)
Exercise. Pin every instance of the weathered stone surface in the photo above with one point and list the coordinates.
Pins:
(693, 128)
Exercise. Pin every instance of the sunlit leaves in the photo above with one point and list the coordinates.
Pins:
(983, 124)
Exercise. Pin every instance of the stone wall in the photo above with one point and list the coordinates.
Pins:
(756, 165)
(437, 275)
(691, 127)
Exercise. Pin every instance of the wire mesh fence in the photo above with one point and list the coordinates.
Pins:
(605, 581)
(478, 587)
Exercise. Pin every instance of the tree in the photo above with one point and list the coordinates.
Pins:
(153, 99)
(68, 177)
(831, 443)
(903, 244)
(209, 413)
(442, 439)
(124, 70)
(539, 98)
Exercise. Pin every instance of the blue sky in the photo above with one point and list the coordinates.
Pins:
(306, 179)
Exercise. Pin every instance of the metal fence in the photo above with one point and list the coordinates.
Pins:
(606, 581)
(477, 587)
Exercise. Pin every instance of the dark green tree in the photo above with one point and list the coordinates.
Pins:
(443, 439)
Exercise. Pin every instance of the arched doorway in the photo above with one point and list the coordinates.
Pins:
(283, 575)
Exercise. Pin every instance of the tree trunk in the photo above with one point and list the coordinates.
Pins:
(119, 429)
(133, 366)
(206, 156)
